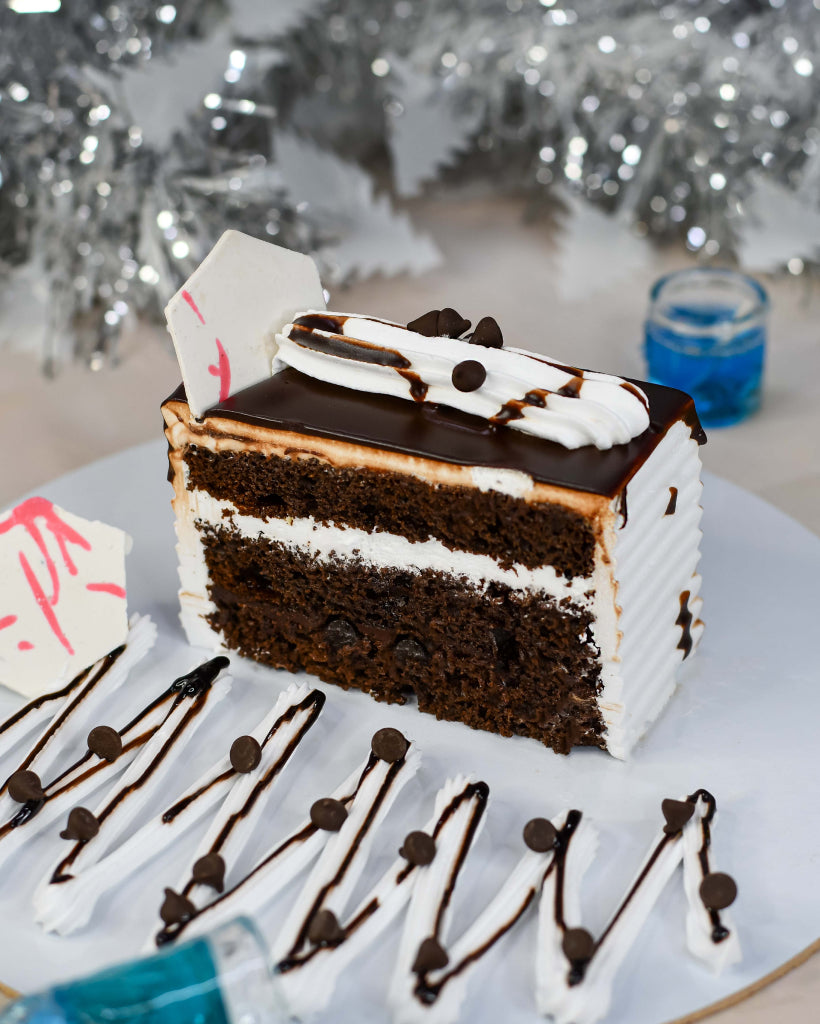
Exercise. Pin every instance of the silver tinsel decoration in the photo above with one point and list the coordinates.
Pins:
(133, 134)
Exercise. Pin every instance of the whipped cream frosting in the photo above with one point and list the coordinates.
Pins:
(239, 797)
(74, 713)
(580, 991)
(507, 386)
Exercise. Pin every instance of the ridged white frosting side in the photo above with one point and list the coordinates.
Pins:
(654, 561)
(607, 410)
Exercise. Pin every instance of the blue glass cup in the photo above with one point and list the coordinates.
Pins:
(705, 333)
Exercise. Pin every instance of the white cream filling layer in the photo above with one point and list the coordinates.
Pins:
(387, 551)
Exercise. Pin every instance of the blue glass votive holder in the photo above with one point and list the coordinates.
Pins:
(706, 334)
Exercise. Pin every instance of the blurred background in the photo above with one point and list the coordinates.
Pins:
(541, 161)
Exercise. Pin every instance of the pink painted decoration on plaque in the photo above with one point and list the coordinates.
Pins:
(224, 319)
(62, 594)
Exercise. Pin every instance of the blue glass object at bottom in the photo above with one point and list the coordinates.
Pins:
(177, 987)
(723, 378)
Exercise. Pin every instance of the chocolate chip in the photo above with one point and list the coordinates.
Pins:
(105, 742)
(468, 375)
(451, 324)
(389, 745)
(718, 891)
(328, 814)
(409, 649)
(677, 813)
(440, 323)
(210, 870)
(324, 929)
(427, 324)
(506, 647)
(431, 956)
(578, 945)
(540, 834)
(24, 786)
(487, 333)
(81, 825)
(418, 849)
(176, 909)
(245, 754)
(340, 633)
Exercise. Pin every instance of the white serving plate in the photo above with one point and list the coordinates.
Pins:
(743, 724)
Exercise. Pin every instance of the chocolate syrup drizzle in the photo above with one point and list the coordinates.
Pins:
(195, 686)
(297, 956)
(578, 968)
(477, 791)
(170, 933)
(684, 620)
(96, 673)
(313, 702)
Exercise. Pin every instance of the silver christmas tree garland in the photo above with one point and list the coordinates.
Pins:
(133, 134)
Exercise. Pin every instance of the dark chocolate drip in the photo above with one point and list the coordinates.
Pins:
(347, 348)
(41, 701)
(719, 931)
(195, 686)
(191, 798)
(572, 389)
(684, 620)
(331, 323)
(537, 397)
(82, 680)
(673, 502)
(623, 509)
(509, 411)
(578, 970)
(171, 932)
(291, 401)
(690, 418)
(198, 680)
(314, 702)
(476, 789)
(24, 813)
(428, 992)
(630, 387)
(292, 958)
(481, 791)
(418, 389)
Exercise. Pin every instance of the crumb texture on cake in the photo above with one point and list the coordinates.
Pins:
(513, 663)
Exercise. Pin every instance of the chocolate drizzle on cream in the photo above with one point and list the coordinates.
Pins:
(572, 407)
(237, 797)
(310, 708)
(579, 989)
(186, 697)
(72, 703)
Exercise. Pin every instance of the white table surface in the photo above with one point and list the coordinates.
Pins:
(495, 264)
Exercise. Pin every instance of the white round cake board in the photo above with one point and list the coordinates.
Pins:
(742, 724)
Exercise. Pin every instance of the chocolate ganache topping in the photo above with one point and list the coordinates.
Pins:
(290, 401)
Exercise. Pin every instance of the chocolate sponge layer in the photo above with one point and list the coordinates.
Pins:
(487, 523)
(494, 659)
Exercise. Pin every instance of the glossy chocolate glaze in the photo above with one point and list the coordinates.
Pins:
(291, 401)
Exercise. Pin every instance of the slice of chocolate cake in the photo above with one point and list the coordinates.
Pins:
(422, 512)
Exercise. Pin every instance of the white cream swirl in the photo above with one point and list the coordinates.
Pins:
(519, 389)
